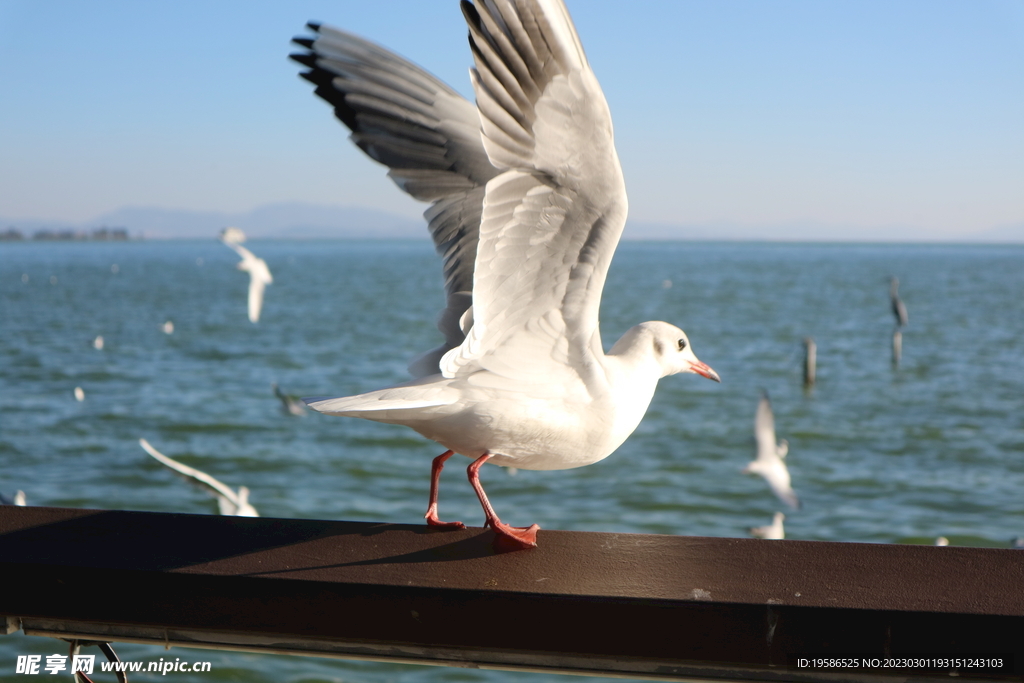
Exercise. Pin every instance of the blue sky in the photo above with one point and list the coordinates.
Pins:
(854, 117)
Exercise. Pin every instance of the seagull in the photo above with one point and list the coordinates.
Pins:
(18, 499)
(899, 309)
(97, 343)
(773, 531)
(228, 501)
(769, 463)
(259, 273)
(527, 206)
(941, 541)
(168, 327)
(79, 394)
(289, 404)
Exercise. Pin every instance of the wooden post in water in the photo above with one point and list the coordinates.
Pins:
(810, 362)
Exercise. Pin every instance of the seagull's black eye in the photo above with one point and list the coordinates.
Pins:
(682, 344)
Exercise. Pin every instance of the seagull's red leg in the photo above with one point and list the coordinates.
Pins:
(435, 478)
(523, 537)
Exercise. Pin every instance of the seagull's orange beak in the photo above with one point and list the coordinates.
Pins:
(703, 370)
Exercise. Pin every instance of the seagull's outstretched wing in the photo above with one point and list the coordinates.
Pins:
(764, 431)
(552, 219)
(228, 501)
(256, 288)
(428, 135)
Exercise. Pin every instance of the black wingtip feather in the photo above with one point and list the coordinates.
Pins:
(304, 58)
(468, 11)
(314, 25)
(303, 41)
(344, 114)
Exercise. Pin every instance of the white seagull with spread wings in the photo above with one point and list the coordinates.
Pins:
(259, 273)
(770, 462)
(229, 502)
(528, 204)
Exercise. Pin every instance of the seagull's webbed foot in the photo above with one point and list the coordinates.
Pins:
(511, 537)
(514, 537)
(432, 519)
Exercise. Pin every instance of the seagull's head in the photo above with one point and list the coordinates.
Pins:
(672, 347)
(668, 346)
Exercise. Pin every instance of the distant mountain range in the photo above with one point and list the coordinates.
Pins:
(297, 220)
(279, 221)
(813, 232)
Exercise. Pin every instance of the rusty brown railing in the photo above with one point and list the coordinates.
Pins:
(645, 606)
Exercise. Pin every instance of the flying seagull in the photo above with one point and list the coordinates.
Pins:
(770, 462)
(291, 405)
(229, 502)
(259, 273)
(527, 206)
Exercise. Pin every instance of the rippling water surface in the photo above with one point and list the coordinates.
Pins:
(877, 454)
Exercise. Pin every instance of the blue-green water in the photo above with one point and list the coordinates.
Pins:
(935, 447)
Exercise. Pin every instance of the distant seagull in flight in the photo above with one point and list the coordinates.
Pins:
(773, 531)
(229, 502)
(769, 462)
(259, 273)
(292, 405)
(79, 394)
(899, 310)
(97, 343)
